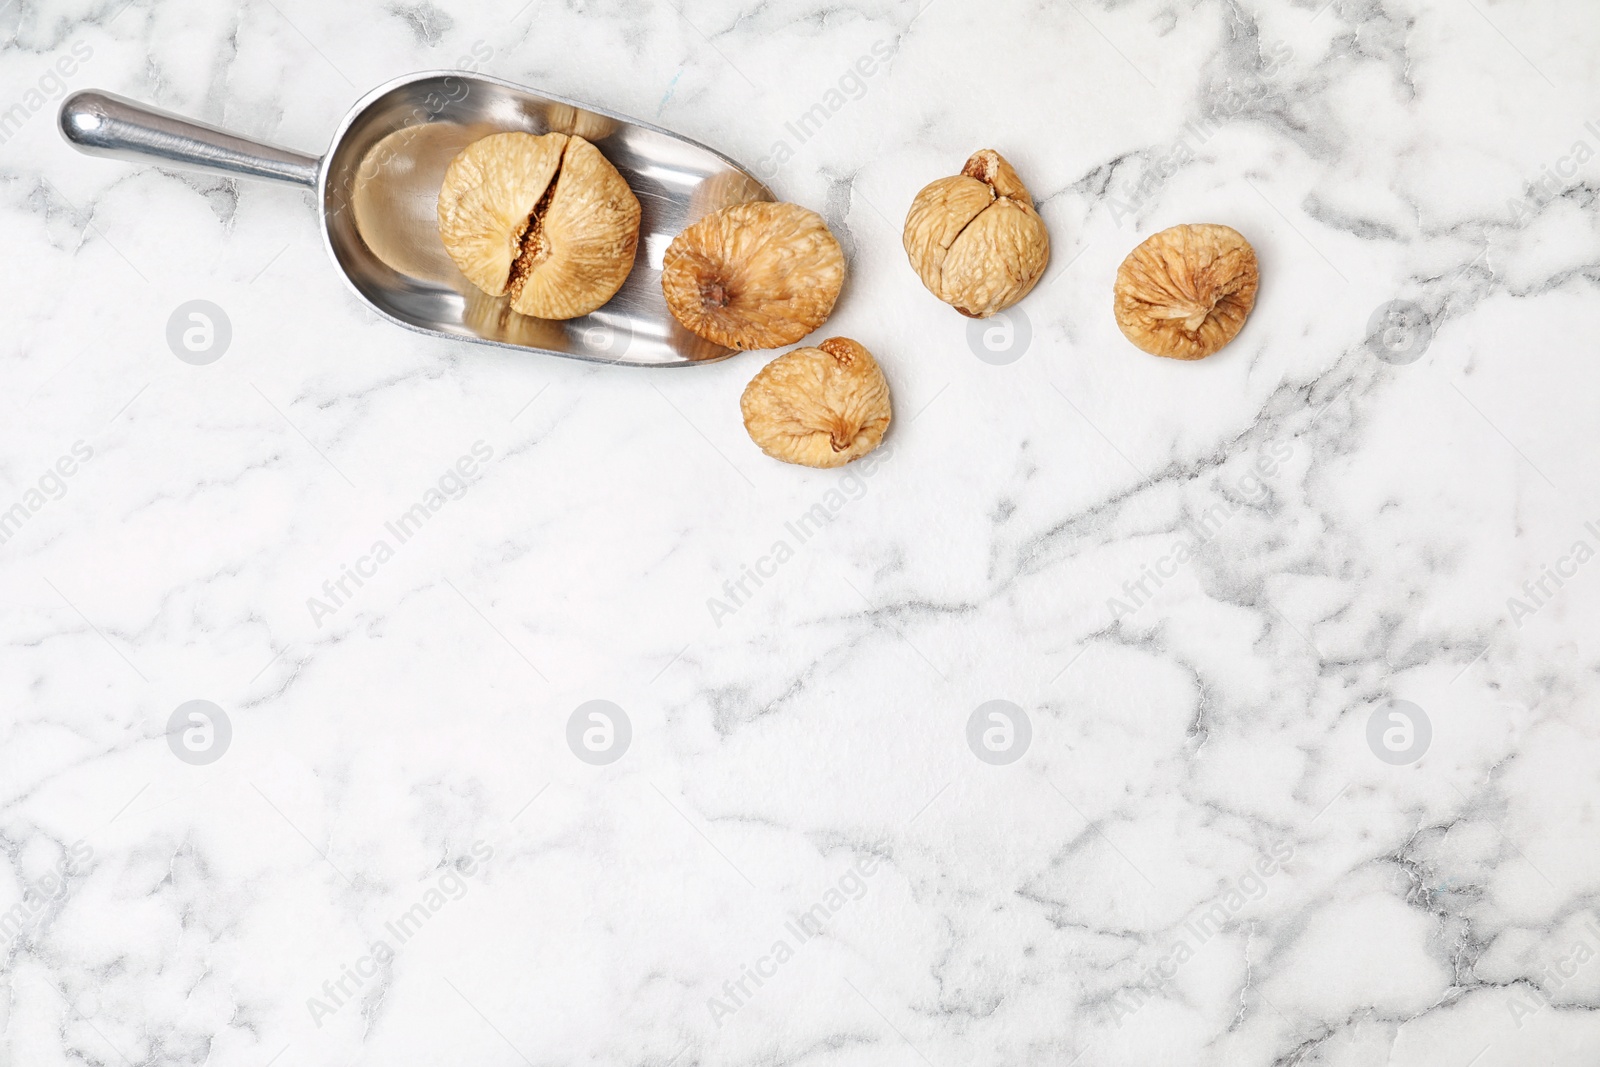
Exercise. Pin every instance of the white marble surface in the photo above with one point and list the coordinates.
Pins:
(1100, 901)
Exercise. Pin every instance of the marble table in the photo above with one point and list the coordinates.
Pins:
(1122, 712)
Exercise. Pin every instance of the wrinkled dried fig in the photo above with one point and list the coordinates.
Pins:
(819, 407)
(975, 238)
(1185, 292)
(756, 275)
(546, 220)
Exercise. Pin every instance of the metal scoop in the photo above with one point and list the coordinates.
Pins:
(377, 195)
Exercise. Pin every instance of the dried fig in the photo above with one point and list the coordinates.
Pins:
(819, 407)
(975, 238)
(546, 220)
(1186, 291)
(755, 275)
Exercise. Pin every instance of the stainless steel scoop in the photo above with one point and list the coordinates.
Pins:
(377, 194)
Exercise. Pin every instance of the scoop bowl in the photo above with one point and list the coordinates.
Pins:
(377, 191)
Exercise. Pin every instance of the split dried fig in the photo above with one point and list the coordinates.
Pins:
(975, 238)
(818, 407)
(1186, 291)
(545, 220)
(754, 275)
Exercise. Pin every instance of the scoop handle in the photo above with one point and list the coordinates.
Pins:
(103, 124)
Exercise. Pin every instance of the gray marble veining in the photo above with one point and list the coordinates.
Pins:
(374, 698)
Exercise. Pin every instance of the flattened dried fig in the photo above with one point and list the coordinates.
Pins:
(1186, 291)
(975, 238)
(818, 407)
(546, 220)
(756, 275)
